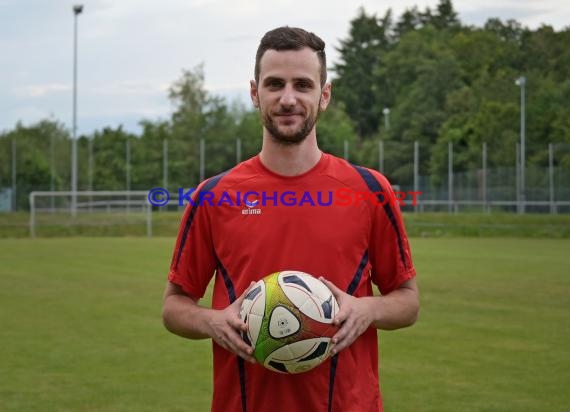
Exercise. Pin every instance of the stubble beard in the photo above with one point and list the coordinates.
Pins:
(294, 138)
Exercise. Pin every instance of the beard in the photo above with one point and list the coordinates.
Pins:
(293, 137)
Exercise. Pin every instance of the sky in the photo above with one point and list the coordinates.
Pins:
(131, 51)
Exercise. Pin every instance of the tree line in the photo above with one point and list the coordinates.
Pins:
(421, 77)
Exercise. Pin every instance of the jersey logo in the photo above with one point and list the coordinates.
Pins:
(251, 204)
(251, 211)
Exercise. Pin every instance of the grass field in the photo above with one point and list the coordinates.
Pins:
(14, 225)
(81, 329)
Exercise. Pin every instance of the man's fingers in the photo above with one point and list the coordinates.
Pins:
(235, 344)
(236, 323)
(243, 350)
(336, 291)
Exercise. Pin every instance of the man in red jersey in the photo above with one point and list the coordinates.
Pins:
(351, 248)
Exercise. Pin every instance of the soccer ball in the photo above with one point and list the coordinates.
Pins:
(289, 318)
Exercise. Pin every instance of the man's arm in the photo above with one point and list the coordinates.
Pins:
(182, 316)
(394, 310)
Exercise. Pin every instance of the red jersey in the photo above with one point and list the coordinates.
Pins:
(250, 222)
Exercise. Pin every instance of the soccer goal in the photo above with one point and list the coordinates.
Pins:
(90, 212)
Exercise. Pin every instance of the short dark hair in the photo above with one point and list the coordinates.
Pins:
(292, 38)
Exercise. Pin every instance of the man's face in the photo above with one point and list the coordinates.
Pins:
(289, 94)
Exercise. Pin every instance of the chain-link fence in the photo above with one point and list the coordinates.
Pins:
(448, 177)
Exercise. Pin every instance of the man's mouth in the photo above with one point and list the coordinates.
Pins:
(288, 114)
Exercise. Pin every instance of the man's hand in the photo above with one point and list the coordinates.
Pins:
(395, 310)
(353, 317)
(225, 327)
(183, 316)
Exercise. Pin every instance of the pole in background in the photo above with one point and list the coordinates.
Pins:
(238, 150)
(484, 183)
(521, 81)
(164, 171)
(14, 201)
(202, 160)
(416, 169)
(90, 171)
(51, 172)
(386, 112)
(77, 9)
(450, 175)
(128, 171)
(381, 156)
(165, 164)
(518, 177)
(551, 177)
(346, 150)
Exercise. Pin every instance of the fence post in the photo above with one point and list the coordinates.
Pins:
(90, 170)
(551, 177)
(165, 164)
(450, 175)
(128, 172)
(149, 220)
(381, 156)
(14, 187)
(416, 169)
(202, 160)
(32, 216)
(518, 178)
(52, 172)
(238, 150)
(484, 160)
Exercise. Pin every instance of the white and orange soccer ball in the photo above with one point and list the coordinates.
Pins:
(289, 316)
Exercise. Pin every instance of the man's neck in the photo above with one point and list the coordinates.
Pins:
(290, 159)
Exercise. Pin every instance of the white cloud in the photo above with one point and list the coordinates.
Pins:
(40, 90)
(129, 88)
(131, 51)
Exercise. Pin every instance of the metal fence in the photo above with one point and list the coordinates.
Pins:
(490, 181)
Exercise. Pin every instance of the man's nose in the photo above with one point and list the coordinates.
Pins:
(288, 98)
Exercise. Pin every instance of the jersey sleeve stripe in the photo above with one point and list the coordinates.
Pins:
(358, 275)
(376, 187)
(241, 363)
(209, 185)
(334, 364)
(350, 290)
(227, 281)
(241, 371)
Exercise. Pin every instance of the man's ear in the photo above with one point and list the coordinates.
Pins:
(253, 93)
(326, 94)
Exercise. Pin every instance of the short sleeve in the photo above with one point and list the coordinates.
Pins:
(193, 261)
(390, 254)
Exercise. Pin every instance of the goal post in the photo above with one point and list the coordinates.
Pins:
(103, 210)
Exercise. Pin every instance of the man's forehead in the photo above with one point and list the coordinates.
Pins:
(290, 63)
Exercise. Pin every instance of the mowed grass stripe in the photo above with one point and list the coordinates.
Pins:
(81, 329)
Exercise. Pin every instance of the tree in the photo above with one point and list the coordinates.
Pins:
(42, 158)
(360, 54)
(409, 21)
(445, 16)
(109, 158)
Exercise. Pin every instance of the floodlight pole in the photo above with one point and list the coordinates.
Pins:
(521, 81)
(386, 112)
(77, 9)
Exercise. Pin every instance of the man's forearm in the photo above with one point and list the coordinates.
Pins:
(396, 310)
(183, 316)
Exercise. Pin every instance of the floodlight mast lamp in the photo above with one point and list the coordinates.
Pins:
(77, 9)
(521, 82)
